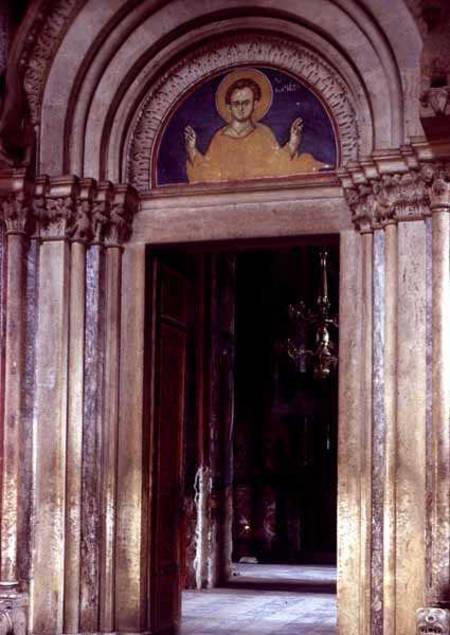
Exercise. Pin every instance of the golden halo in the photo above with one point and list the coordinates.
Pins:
(261, 106)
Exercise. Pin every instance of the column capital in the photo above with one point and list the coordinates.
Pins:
(82, 210)
(15, 201)
(394, 197)
(408, 183)
(68, 208)
(57, 208)
(124, 205)
(101, 210)
(80, 227)
(437, 179)
(363, 206)
(15, 213)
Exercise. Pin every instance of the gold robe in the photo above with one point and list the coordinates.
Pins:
(254, 156)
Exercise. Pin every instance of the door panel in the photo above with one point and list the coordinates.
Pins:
(171, 343)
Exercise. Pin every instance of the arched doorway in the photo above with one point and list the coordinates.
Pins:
(132, 68)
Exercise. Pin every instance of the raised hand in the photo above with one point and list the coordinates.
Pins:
(190, 140)
(296, 135)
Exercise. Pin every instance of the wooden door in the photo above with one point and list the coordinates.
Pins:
(171, 331)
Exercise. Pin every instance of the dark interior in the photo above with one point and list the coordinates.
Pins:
(285, 431)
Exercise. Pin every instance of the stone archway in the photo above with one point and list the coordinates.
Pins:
(92, 121)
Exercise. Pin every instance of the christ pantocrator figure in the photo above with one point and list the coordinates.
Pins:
(245, 149)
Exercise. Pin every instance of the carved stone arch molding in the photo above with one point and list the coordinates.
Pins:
(221, 54)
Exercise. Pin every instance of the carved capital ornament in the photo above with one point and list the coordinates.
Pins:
(67, 208)
(15, 213)
(395, 197)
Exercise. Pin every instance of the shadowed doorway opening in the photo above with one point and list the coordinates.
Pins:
(244, 482)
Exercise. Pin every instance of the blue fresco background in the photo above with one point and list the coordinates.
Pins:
(290, 100)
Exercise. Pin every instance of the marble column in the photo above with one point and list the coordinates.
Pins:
(378, 430)
(50, 435)
(80, 232)
(120, 609)
(16, 216)
(440, 446)
(410, 493)
(390, 414)
(350, 543)
(93, 414)
(113, 282)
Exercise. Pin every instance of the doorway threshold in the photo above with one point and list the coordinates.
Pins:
(261, 611)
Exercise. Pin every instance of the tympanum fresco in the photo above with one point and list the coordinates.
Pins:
(274, 127)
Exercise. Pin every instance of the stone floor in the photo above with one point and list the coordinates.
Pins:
(265, 600)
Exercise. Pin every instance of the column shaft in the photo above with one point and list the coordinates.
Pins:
(390, 405)
(132, 487)
(15, 301)
(350, 570)
(49, 447)
(366, 431)
(74, 439)
(441, 404)
(378, 434)
(411, 424)
(110, 436)
(92, 439)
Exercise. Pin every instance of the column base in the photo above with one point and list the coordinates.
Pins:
(433, 620)
(13, 609)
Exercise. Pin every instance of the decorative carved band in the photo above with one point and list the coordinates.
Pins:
(68, 208)
(217, 57)
(399, 196)
(41, 44)
(433, 620)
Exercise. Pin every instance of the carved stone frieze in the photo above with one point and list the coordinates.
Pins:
(433, 620)
(222, 54)
(13, 613)
(67, 208)
(56, 218)
(408, 195)
(43, 40)
(399, 196)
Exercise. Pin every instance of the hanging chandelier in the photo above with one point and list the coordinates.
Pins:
(324, 356)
